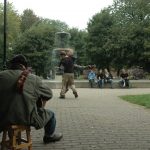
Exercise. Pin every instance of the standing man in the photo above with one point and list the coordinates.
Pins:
(22, 99)
(67, 61)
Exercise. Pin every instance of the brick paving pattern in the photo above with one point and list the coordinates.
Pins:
(98, 120)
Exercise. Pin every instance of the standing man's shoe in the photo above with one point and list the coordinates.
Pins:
(56, 137)
(62, 97)
(75, 94)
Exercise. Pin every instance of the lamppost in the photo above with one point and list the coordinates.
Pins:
(5, 34)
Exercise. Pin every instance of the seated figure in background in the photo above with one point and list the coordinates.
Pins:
(91, 77)
(108, 77)
(100, 78)
(124, 78)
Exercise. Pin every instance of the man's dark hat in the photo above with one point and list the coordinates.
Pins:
(19, 59)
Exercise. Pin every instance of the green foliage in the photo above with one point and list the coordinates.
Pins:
(36, 43)
(12, 27)
(78, 42)
(119, 35)
(132, 18)
(99, 38)
(28, 18)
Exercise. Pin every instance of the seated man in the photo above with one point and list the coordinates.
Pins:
(91, 77)
(124, 78)
(108, 77)
(100, 78)
(22, 99)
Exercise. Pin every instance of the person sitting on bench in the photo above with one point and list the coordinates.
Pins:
(108, 77)
(124, 78)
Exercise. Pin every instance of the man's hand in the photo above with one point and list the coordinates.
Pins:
(44, 103)
(41, 103)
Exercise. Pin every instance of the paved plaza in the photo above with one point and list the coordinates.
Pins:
(98, 120)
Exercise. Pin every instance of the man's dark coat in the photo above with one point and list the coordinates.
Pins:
(16, 108)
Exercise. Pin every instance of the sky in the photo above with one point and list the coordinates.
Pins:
(75, 13)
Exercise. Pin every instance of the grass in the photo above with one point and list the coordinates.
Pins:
(143, 100)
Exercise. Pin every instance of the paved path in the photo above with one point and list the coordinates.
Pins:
(98, 120)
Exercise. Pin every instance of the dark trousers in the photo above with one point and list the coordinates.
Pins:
(49, 128)
(91, 81)
(100, 83)
(125, 83)
(110, 81)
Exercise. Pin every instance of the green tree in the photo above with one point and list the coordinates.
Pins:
(56, 24)
(12, 27)
(28, 18)
(132, 18)
(37, 44)
(119, 35)
(99, 39)
(78, 43)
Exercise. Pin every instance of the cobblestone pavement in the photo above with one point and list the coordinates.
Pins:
(98, 120)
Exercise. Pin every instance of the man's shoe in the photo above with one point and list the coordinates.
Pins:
(54, 138)
(62, 97)
(75, 94)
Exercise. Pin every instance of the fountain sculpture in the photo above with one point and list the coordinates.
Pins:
(61, 44)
